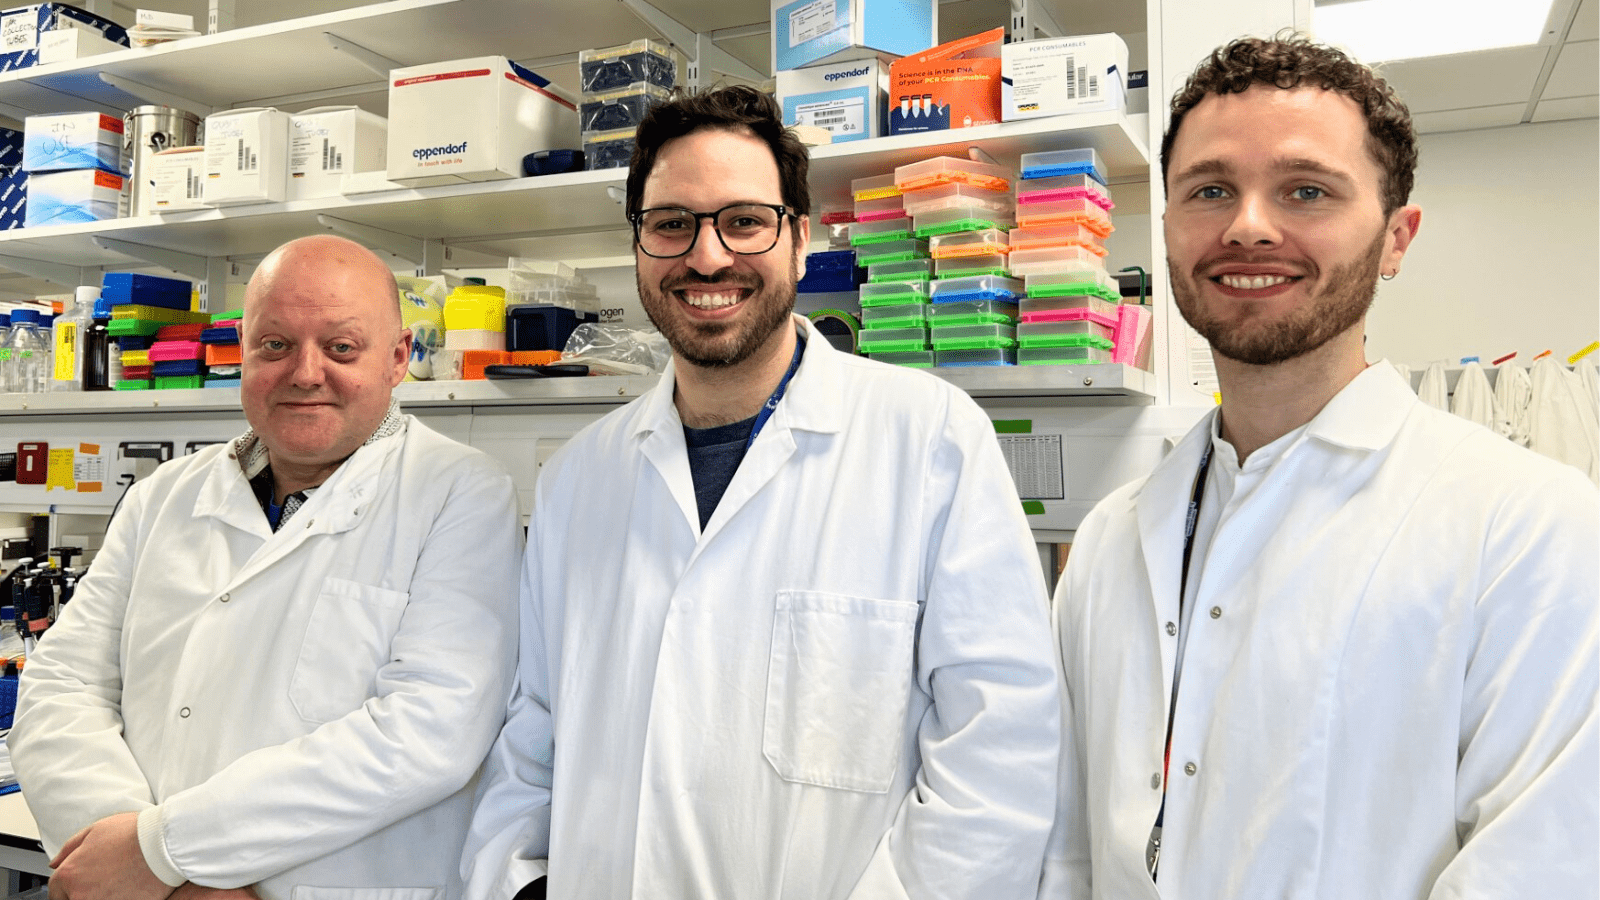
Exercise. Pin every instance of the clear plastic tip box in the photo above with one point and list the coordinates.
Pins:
(619, 109)
(614, 68)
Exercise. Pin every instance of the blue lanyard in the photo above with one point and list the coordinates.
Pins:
(772, 402)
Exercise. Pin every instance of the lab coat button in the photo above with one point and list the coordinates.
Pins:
(183, 713)
(1172, 629)
(1155, 782)
(1190, 768)
(1216, 612)
(224, 598)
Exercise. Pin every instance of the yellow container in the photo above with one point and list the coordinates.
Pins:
(475, 307)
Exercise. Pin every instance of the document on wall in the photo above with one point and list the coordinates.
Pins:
(1036, 465)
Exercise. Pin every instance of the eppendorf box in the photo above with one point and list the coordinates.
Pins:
(177, 176)
(247, 156)
(1063, 75)
(845, 98)
(473, 120)
(329, 142)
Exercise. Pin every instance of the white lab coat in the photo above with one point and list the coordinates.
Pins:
(1474, 400)
(1389, 683)
(1562, 421)
(843, 688)
(306, 707)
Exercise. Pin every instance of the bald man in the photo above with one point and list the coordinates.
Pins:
(283, 669)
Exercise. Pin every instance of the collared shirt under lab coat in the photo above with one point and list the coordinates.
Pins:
(1389, 683)
(843, 688)
(305, 707)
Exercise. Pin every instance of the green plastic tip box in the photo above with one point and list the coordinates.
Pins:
(892, 340)
(974, 312)
(882, 231)
(901, 270)
(974, 337)
(915, 359)
(893, 293)
(1062, 356)
(894, 251)
(900, 315)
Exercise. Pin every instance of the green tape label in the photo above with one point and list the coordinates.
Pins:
(1013, 426)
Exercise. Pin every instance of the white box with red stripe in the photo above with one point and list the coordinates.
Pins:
(473, 120)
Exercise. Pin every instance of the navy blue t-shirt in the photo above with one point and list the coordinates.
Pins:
(714, 455)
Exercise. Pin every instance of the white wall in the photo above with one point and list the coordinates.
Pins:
(1507, 256)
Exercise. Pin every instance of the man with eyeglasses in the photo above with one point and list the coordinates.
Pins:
(785, 633)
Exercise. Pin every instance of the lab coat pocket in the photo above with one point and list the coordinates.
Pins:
(838, 685)
(309, 892)
(347, 640)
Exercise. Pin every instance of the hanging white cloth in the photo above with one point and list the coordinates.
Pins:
(1435, 389)
(1590, 373)
(1513, 391)
(1405, 372)
(1563, 423)
(1474, 400)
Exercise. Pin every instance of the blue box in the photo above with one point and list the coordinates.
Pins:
(123, 288)
(20, 27)
(805, 32)
(67, 141)
(542, 327)
(13, 180)
(831, 272)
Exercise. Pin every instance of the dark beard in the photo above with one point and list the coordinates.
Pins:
(702, 344)
(1341, 304)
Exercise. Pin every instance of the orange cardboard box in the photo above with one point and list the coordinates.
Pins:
(953, 85)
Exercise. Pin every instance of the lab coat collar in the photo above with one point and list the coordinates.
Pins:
(334, 507)
(811, 403)
(1368, 412)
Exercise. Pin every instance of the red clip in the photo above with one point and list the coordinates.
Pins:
(1511, 355)
(1541, 356)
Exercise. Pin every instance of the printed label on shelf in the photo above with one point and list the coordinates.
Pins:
(1036, 464)
(89, 469)
(60, 473)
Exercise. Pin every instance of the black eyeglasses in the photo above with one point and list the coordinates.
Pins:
(748, 229)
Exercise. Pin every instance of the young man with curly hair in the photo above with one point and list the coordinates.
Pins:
(1338, 644)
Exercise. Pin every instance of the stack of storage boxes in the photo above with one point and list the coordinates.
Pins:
(620, 85)
(1063, 214)
(145, 310)
(73, 161)
(223, 356)
(894, 300)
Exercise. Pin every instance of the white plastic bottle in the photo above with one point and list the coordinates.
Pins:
(30, 354)
(68, 333)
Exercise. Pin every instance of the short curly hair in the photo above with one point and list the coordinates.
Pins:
(1291, 60)
(732, 108)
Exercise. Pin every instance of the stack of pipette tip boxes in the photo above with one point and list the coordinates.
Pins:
(620, 85)
(222, 354)
(155, 331)
(1069, 313)
(938, 291)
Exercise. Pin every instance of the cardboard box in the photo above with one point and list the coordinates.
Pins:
(20, 28)
(847, 99)
(807, 32)
(177, 179)
(329, 142)
(68, 44)
(954, 85)
(155, 18)
(55, 143)
(1060, 76)
(79, 195)
(473, 120)
(247, 156)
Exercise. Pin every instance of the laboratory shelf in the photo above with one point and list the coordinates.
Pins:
(1058, 382)
(259, 64)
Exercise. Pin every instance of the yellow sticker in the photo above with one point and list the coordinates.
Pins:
(59, 473)
(1573, 359)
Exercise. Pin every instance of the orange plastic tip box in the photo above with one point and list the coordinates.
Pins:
(223, 355)
(474, 361)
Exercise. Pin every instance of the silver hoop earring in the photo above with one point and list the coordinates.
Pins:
(1390, 277)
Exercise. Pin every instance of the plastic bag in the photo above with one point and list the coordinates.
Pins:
(612, 349)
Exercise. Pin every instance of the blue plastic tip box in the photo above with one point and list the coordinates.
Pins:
(542, 327)
(830, 272)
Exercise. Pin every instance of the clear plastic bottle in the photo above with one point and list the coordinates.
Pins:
(30, 354)
(5, 351)
(69, 334)
(11, 646)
